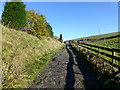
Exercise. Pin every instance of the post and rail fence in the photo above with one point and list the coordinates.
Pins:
(112, 50)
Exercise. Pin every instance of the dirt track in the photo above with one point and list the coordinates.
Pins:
(67, 70)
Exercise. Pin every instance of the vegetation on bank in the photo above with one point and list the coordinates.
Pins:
(28, 44)
(24, 56)
(107, 74)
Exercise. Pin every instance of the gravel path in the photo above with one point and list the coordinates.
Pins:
(66, 70)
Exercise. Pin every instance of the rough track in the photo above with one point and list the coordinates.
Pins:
(66, 70)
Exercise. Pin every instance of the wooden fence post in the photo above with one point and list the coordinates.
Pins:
(98, 50)
(113, 54)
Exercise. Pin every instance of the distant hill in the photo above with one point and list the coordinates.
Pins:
(100, 36)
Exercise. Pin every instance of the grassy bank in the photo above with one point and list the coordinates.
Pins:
(24, 56)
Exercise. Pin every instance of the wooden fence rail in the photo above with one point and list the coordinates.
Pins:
(112, 50)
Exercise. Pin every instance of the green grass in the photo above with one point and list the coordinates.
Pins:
(24, 56)
(103, 74)
(33, 70)
(110, 43)
(103, 56)
(99, 36)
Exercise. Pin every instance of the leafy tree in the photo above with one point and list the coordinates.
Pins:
(49, 30)
(37, 24)
(14, 15)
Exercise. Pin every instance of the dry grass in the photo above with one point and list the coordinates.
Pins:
(21, 55)
(0, 57)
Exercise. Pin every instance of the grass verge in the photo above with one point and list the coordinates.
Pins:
(23, 56)
(33, 70)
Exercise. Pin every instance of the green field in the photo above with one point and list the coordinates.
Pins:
(109, 43)
(99, 36)
(103, 56)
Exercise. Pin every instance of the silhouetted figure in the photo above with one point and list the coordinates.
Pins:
(61, 38)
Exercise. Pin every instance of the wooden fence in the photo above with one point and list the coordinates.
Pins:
(112, 50)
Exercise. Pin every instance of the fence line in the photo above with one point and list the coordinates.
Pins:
(112, 56)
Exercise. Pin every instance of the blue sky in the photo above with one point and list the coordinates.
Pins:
(78, 19)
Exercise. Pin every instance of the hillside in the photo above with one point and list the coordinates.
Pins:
(99, 36)
(24, 56)
(111, 43)
(104, 40)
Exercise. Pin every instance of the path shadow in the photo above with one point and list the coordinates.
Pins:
(70, 77)
(90, 79)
